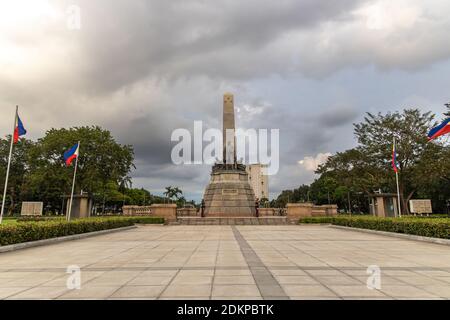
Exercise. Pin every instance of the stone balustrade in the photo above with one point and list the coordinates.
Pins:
(166, 211)
(188, 212)
(293, 211)
(271, 212)
(137, 210)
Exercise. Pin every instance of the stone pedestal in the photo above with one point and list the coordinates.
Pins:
(81, 207)
(167, 211)
(331, 209)
(229, 194)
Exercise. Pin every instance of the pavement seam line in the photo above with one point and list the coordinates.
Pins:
(253, 261)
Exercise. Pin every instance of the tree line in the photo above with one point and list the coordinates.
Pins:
(349, 177)
(38, 171)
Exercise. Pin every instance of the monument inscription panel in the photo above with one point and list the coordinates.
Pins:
(230, 192)
(420, 206)
(32, 208)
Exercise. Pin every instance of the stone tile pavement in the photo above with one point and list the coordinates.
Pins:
(229, 262)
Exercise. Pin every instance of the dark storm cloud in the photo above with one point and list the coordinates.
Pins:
(122, 42)
(144, 68)
(338, 117)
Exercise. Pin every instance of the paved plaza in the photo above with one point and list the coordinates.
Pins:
(229, 262)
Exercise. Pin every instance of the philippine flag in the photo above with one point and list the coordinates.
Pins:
(71, 154)
(394, 158)
(440, 130)
(19, 129)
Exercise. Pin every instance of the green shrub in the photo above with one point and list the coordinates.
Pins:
(32, 231)
(427, 227)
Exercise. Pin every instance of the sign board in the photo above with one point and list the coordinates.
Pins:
(230, 192)
(32, 208)
(420, 206)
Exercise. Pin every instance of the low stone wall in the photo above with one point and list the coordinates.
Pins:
(296, 211)
(271, 212)
(137, 210)
(293, 211)
(166, 211)
(266, 212)
(188, 212)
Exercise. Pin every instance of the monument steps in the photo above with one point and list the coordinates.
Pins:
(231, 221)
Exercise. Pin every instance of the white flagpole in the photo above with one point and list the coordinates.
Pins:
(9, 165)
(398, 195)
(73, 182)
(396, 179)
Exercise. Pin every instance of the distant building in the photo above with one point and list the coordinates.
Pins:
(258, 181)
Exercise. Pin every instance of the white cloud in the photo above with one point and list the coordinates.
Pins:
(312, 163)
(389, 15)
(247, 112)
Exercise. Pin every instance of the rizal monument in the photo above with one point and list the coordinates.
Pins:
(229, 193)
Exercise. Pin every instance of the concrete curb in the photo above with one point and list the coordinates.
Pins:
(397, 235)
(31, 244)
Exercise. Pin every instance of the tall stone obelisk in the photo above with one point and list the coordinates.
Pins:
(229, 193)
(229, 140)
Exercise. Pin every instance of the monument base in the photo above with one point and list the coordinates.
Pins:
(81, 207)
(229, 193)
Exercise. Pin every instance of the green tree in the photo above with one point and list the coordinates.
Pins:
(375, 136)
(433, 176)
(181, 201)
(102, 162)
(323, 189)
(17, 186)
(367, 167)
(357, 175)
(348, 177)
(285, 197)
(173, 193)
(301, 194)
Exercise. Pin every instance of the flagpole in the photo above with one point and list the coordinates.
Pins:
(9, 166)
(73, 184)
(398, 189)
(398, 195)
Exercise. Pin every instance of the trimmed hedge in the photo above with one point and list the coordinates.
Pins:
(426, 227)
(40, 218)
(136, 219)
(33, 231)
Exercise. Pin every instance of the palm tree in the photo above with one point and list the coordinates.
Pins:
(169, 191)
(173, 193)
(177, 193)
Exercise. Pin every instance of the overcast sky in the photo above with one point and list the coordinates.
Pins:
(143, 68)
